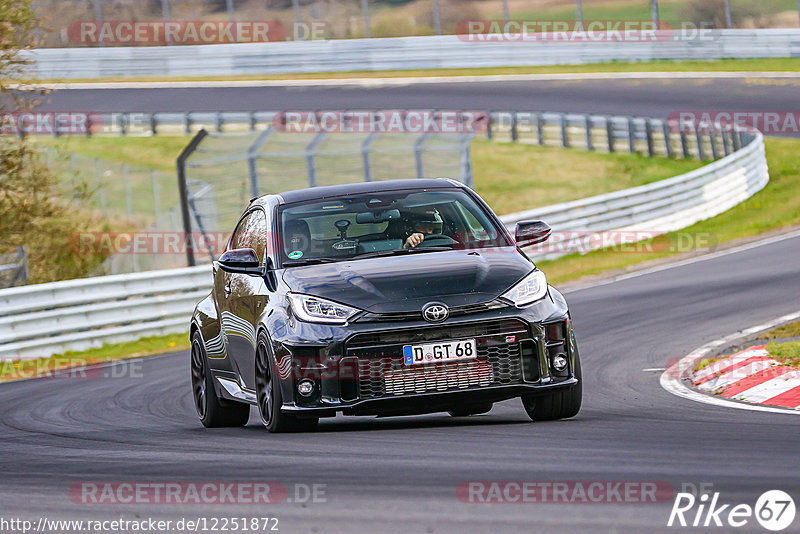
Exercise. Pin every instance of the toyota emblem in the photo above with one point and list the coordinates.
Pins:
(435, 312)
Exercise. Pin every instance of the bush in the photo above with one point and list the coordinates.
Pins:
(32, 212)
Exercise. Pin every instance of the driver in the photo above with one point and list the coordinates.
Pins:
(423, 223)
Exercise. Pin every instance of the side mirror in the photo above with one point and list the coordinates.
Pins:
(240, 261)
(530, 233)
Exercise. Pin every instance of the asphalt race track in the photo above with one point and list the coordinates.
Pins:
(400, 475)
(641, 97)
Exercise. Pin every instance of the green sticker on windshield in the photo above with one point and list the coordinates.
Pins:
(295, 254)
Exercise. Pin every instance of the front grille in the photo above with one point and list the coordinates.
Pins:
(417, 315)
(496, 364)
(437, 333)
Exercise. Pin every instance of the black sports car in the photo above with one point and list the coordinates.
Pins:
(379, 298)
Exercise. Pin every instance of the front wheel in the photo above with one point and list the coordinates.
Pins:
(269, 397)
(213, 412)
(560, 404)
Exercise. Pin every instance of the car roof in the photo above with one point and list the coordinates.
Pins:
(319, 193)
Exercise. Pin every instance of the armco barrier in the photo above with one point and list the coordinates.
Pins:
(662, 206)
(45, 319)
(400, 53)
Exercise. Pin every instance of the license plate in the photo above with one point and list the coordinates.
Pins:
(446, 351)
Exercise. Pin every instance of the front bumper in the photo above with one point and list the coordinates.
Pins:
(358, 369)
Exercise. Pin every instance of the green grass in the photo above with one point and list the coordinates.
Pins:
(513, 177)
(147, 346)
(510, 176)
(775, 207)
(787, 330)
(720, 65)
(157, 152)
(787, 353)
(705, 362)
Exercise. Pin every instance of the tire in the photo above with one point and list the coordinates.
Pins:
(213, 412)
(474, 409)
(560, 404)
(269, 397)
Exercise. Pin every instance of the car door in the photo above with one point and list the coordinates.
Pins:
(244, 297)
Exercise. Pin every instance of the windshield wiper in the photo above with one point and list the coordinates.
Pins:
(308, 261)
(399, 251)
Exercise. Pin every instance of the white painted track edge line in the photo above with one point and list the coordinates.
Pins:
(671, 379)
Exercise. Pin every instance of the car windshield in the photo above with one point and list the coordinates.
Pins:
(388, 223)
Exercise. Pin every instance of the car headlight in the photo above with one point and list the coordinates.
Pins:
(318, 310)
(530, 289)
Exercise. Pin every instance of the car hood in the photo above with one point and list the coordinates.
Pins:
(406, 283)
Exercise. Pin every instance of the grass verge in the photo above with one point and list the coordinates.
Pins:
(787, 353)
(787, 330)
(718, 65)
(510, 176)
(775, 207)
(147, 346)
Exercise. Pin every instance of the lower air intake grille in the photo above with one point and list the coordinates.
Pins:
(495, 365)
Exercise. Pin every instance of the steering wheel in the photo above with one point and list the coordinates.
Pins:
(431, 240)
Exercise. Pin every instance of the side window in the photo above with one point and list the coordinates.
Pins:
(252, 233)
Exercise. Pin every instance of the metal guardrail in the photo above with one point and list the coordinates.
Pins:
(656, 208)
(44, 319)
(401, 53)
(16, 273)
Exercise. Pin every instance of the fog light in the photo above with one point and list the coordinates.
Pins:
(559, 362)
(305, 387)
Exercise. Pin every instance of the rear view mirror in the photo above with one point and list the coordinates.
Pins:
(373, 217)
(531, 232)
(241, 261)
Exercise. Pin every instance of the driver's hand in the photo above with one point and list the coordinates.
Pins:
(414, 240)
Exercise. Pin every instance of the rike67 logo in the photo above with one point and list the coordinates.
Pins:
(774, 510)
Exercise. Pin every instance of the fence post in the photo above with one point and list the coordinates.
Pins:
(154, 124)
(540, 128)
(514, 133)
(726, 144)
(712, 138)
(156, 195)
(23, 271)
(737, 140)
(631, 139)
(218, 121)
(437, 19)
(183, 188)
(489, 126)
(366, 147)
(667, 139)
(251, 158)
(610, 134)
(418, 153)
(701, 150)
(466, 162)
(564, 137)
(128, 196)
(685, 145)
(310, 150)
(648, 130)
(589, 144)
